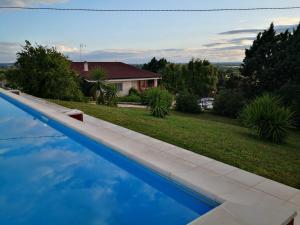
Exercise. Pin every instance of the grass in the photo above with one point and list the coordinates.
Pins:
(217, 137)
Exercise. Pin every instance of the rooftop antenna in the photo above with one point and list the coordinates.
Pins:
(81, 46)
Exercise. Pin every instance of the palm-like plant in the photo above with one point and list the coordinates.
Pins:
(268, 118)
(99, 84)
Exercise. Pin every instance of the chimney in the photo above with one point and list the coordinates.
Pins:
(85, 66)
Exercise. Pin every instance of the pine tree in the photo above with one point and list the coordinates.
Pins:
(272, 61)
(256, 66)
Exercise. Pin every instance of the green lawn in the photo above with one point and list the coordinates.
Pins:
(220, 138)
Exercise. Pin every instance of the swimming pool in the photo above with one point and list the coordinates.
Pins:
(50, 174)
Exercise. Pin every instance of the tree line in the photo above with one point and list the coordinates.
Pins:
(198, 77)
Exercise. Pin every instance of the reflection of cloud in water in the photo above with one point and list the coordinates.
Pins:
(58, 181)
(24, 127)
(16, 123)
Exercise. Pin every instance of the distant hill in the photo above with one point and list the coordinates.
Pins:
(6, 65)
(218, 64)
(227, 64)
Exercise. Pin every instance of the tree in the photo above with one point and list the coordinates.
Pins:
(2, 76)
(97, 89)
(44, 72)
(202, 77)
(272, 61)
(155, 65)
(102, 92)
(198, 77)
(292, 61)
(173, 77)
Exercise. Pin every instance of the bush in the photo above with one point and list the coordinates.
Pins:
(130, 98)
(133, 96)
(186, 102)
(159, 101)
(267, 118)
(108, 96)
(134, 92)
(146, 95)
(290, 94)
(229, 103)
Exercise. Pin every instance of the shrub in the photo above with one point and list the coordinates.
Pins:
(145, 96)
(130, 98)
(108, 96)
(186, 102)
(229, 103)
(133, 91)
(148, 94)
(159, 101)
(267, 118)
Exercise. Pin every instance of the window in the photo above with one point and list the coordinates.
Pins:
(119, 86)
(150, 83)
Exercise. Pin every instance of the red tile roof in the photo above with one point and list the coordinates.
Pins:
(114, 70)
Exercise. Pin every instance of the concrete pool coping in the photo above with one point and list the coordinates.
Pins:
(246, 198)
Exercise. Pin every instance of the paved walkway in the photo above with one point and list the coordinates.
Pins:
(247, 199)
(123, 105)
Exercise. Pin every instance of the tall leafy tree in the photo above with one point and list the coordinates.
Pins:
(44, 72)
(272, 60)
(173, 77)
(202, 77)
(292, 60)
(198, 77)
(256, 65)
(155, 65)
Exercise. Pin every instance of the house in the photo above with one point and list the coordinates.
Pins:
(124, 76)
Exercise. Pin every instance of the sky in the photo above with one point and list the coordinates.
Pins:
(136, 37)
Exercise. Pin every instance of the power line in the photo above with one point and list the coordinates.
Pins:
(150, 10)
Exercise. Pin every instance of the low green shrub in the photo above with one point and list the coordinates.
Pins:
(186, 102)
(130, 98)
(146, 95)
(267, 118)
(229, 103)
(134, 92)
(159, 101)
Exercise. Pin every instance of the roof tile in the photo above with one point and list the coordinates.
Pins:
(114, 70)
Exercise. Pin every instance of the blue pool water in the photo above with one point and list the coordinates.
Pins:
(49, 174)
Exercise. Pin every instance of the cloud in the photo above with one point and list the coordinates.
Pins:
(134, 56)
(213, 44)
(65, 48)
(286, 20)
(241, 31)
(28, 2)
(244, 41)
(279, 28)
(234, 42)
(8, 51)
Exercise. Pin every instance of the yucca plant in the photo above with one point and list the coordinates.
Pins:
(267, 118)
(160, 102)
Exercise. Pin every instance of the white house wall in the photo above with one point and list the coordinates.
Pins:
(126, 86)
